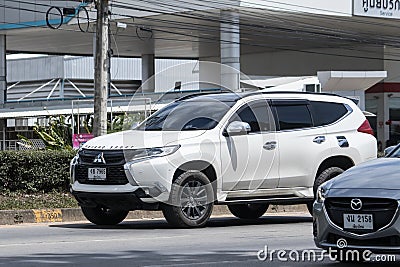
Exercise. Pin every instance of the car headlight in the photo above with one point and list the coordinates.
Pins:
(321, 193)
(74, 161)
(136, 154)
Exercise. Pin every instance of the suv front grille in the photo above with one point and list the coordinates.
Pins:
(115, 176)
(383, 210)
(114, 164)
(111, 157)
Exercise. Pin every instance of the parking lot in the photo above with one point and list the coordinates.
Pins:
(225, 241)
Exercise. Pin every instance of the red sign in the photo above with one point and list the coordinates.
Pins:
(80, 139)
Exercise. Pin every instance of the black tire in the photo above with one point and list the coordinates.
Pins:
(191, 201)
(248, 211)
(103, 216)
(324, 176)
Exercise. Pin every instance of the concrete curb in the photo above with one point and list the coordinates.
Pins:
(12, 217)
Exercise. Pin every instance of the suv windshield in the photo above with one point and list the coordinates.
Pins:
(185, 115)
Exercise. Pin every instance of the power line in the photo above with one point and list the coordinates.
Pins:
(204, 39)
(252, 26)
(269, 28)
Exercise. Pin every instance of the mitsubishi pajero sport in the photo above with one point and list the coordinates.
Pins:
(245, 151)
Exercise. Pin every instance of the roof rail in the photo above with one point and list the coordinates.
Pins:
(302, 93)
(200, 94)
(291, 92)
(244, 94)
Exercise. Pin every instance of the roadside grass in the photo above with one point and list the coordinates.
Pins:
(23, 201)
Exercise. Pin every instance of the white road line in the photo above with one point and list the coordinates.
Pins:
(92, 240)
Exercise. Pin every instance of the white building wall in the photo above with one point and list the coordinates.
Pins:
(325, 7)
(168, 71)
(35, 69)
(121, 68)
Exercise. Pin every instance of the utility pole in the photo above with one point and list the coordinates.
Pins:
(101, 69)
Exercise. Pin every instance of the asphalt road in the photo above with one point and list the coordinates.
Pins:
(224, 242)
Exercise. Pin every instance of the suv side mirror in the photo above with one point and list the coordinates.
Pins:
(237, 128)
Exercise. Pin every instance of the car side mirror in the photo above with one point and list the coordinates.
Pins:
(237, 128)
(389, 150)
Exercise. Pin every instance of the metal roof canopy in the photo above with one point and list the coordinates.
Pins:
(189, 35)
(349, 80)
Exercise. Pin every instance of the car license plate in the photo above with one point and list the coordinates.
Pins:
(97, 173)
(358, 221)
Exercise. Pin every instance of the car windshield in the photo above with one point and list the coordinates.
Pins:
(186, 115)
(395, 153)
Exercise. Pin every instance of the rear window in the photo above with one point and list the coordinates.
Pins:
(293, 117)
(325, 113)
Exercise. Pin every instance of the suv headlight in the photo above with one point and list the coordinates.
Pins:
(131, 155)
(321, 193)
(74, 161)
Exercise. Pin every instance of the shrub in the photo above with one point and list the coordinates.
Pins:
(34, 171)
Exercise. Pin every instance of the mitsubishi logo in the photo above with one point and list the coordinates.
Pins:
(99, 158)
(356, 204)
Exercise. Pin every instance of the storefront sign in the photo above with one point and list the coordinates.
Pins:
(80, 139)
(377, 8)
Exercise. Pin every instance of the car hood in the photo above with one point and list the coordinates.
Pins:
(383, 173)
(139, 139)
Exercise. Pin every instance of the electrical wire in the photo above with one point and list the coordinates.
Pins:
(208, 19)
(180, 1)
(191, 35)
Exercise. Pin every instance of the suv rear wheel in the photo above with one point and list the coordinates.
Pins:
(248, 211)
(104, 216)
(191, 200)
(326, 175)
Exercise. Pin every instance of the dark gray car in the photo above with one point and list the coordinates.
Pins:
(359, 209)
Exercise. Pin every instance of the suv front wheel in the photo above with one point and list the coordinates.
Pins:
(325, 176)
(104, 216)
(191, 200)
(248, 211)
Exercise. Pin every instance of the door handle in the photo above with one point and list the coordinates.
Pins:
(270, 145)
(319, 139)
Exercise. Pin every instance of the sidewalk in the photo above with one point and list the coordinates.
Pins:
(12, 217)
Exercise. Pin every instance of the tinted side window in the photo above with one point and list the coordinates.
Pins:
(257, 115)
(293, 117)
(325, 113)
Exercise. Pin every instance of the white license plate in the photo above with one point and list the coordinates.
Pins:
(97, 173)
(358, 221)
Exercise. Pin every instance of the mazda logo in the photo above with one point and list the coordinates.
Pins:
(356, 204)
(99, 159)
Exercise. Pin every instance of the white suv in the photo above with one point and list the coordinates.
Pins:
(242, 150)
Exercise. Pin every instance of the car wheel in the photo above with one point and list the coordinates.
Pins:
(248, 211)
(104, 216)
(191, 201)
(326, 175)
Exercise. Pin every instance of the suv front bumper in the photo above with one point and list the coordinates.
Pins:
(125, 201)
